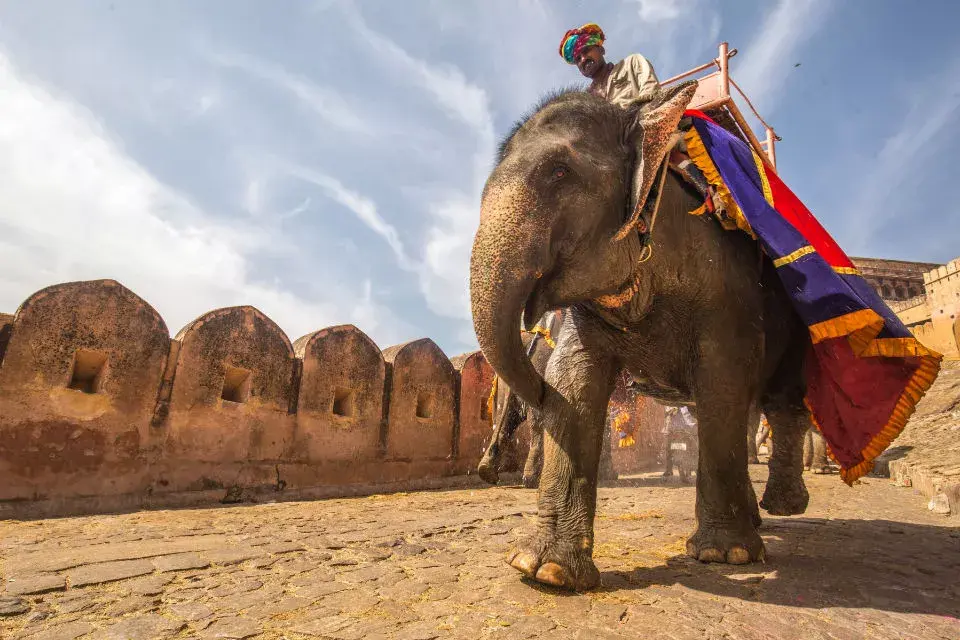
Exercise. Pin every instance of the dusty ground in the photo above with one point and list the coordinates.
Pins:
(864, 562)
(931, 440)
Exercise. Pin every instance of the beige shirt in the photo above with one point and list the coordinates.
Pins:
(630, 79)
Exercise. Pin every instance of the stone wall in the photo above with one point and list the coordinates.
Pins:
(894, 280)
(78, 387)
(943, 300)
(476, 378)
(933, 314)
(97, 401)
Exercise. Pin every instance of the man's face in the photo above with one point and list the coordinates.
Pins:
(590, 61)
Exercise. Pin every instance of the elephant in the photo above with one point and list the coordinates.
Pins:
(815, 452)
(510, 413)
(695, 313)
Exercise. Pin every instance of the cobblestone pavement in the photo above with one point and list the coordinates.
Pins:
(864, 562)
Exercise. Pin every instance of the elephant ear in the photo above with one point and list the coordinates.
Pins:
(652, 133)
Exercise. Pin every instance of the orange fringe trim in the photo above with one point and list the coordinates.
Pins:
(491, 399)
(861, 329)
(698, 154)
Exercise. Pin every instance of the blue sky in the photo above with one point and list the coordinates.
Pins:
(323, 160)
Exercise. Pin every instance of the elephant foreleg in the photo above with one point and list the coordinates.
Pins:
(819, 461)
(579, 384)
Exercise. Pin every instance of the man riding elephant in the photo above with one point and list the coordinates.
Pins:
(621, 83)
(559, 229)
(631, 81)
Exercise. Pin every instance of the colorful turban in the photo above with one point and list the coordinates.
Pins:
(576, 40)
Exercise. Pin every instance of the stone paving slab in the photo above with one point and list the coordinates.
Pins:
(864, 562)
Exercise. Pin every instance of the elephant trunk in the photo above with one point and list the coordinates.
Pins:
(505, 268)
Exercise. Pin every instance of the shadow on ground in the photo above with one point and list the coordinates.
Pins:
(880, 564)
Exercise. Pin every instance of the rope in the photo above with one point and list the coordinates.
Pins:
(752, 108)
(656, 209)
(545, 333)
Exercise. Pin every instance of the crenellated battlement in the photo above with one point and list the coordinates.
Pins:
(97, 400)
(945, 271)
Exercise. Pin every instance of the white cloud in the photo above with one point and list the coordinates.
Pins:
(444, 276)
(75, 206)
(323, 101)
(884, 192)
(362, 207)
(660, 10)
(763, 65)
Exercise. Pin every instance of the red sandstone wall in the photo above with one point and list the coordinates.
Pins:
(97, 400)
(476, 378)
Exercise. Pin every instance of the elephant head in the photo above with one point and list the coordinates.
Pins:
(556, 223)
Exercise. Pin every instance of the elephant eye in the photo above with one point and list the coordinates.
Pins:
(559, 172)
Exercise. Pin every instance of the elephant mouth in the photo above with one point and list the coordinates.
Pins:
(536, 304)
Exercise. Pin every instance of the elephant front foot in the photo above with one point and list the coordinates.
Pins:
(488, 472)
(785, 498)
(731, 544)
(558, 564)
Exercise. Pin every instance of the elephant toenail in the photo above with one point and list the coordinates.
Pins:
(738, 555)
(712, 555)
(553, 574)
(525, 563)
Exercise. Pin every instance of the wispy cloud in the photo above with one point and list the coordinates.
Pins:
(767, 59)
(323, 101)
(362, 207)
(444, 274)
(661, 10)
(74, 206)
(889, 183)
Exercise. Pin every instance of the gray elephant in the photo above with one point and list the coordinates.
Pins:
(815, 452)
(510, 413)
(702, 319)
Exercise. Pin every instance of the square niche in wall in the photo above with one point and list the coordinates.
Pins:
(343, 403)
(425, 405)
(236, 384)
(89, 369)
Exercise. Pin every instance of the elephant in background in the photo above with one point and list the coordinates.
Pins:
(701, 319)
(815, 452)
(510, 413)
